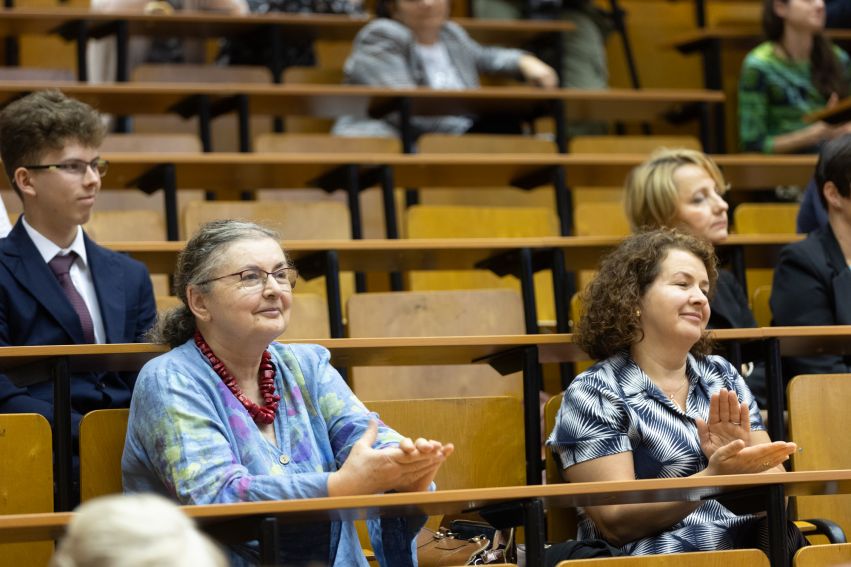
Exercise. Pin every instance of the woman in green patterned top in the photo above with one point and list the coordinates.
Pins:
(795, 72)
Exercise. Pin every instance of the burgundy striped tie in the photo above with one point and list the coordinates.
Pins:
(61, 266)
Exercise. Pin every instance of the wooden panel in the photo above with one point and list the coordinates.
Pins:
(818, 422)
(102, 435)
(436, 313)
(733, 558)
(630, 144)
(130, 225)
(26, 481)
(561, 522)
(764, 218)
(432, 221)
(308, 318)
(823, 555)
(472, 424)
(325, 143)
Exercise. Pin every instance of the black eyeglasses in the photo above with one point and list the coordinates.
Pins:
(76, 166)
(255, 278)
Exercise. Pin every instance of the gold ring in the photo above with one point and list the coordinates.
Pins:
(736, 422)
(766, 464)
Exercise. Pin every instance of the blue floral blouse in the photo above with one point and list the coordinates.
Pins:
(191, 440)
(614, 407)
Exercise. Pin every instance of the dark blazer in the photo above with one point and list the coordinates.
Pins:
(35, 311)
(730, 310)
(812, 286)
(729, 305)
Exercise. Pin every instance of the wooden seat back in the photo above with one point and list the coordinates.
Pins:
(818, 423)
(760, 305)
(486, 432)
(324, 143)
(823, 555)
(440, 221)
(310, 76)
(726, 558)
(26, 480)
(434, 313)
(372, 212)
(487, 196)
(119, 225)
(102, 434)
(764, 218)
(224, 129)
(561, 522)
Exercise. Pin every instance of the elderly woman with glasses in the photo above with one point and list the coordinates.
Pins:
(229, 415)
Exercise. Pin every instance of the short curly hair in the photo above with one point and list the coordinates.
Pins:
(609, 323)
(41, 122)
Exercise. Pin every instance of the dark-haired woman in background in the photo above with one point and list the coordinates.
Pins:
(795, 72)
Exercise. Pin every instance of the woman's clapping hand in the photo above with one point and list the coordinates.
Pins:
(409, 467)
(736, 458)
(728, 421)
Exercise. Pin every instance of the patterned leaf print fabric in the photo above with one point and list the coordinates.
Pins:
(614, 407)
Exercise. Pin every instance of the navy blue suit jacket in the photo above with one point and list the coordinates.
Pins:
(35, 311)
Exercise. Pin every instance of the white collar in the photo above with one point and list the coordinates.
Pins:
(48, 249)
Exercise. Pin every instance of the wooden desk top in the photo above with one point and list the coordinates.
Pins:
(394, 351)
(338, 100)
(230, 173)
(401, 351)
(18, 21)
(377, 255)
(837, 114)
(735, 34)
(811, 341)
(37, 527)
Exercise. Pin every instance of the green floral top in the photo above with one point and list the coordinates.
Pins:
(774, 96)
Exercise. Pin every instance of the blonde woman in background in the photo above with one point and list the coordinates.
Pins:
(684, 189)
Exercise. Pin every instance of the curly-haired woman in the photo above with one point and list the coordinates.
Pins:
(657, 405)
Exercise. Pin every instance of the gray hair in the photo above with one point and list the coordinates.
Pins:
(134, 530)
(196, 264)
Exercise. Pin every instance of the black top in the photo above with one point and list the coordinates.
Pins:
(812, 286)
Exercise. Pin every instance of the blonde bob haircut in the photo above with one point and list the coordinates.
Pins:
(650, 194)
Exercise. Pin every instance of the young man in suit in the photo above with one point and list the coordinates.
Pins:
(56, 285)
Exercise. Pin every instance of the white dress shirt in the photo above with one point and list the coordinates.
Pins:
(80, 273)
(5, 225)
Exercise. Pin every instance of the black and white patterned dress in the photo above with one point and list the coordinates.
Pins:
(614, 407)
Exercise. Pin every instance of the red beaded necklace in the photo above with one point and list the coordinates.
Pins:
(261, 415)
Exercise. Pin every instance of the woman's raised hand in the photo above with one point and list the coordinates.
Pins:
(409, 467)
(728, 421)
(736, 458)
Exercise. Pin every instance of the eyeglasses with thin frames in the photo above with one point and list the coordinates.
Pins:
(75, 166)
(253, 279)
